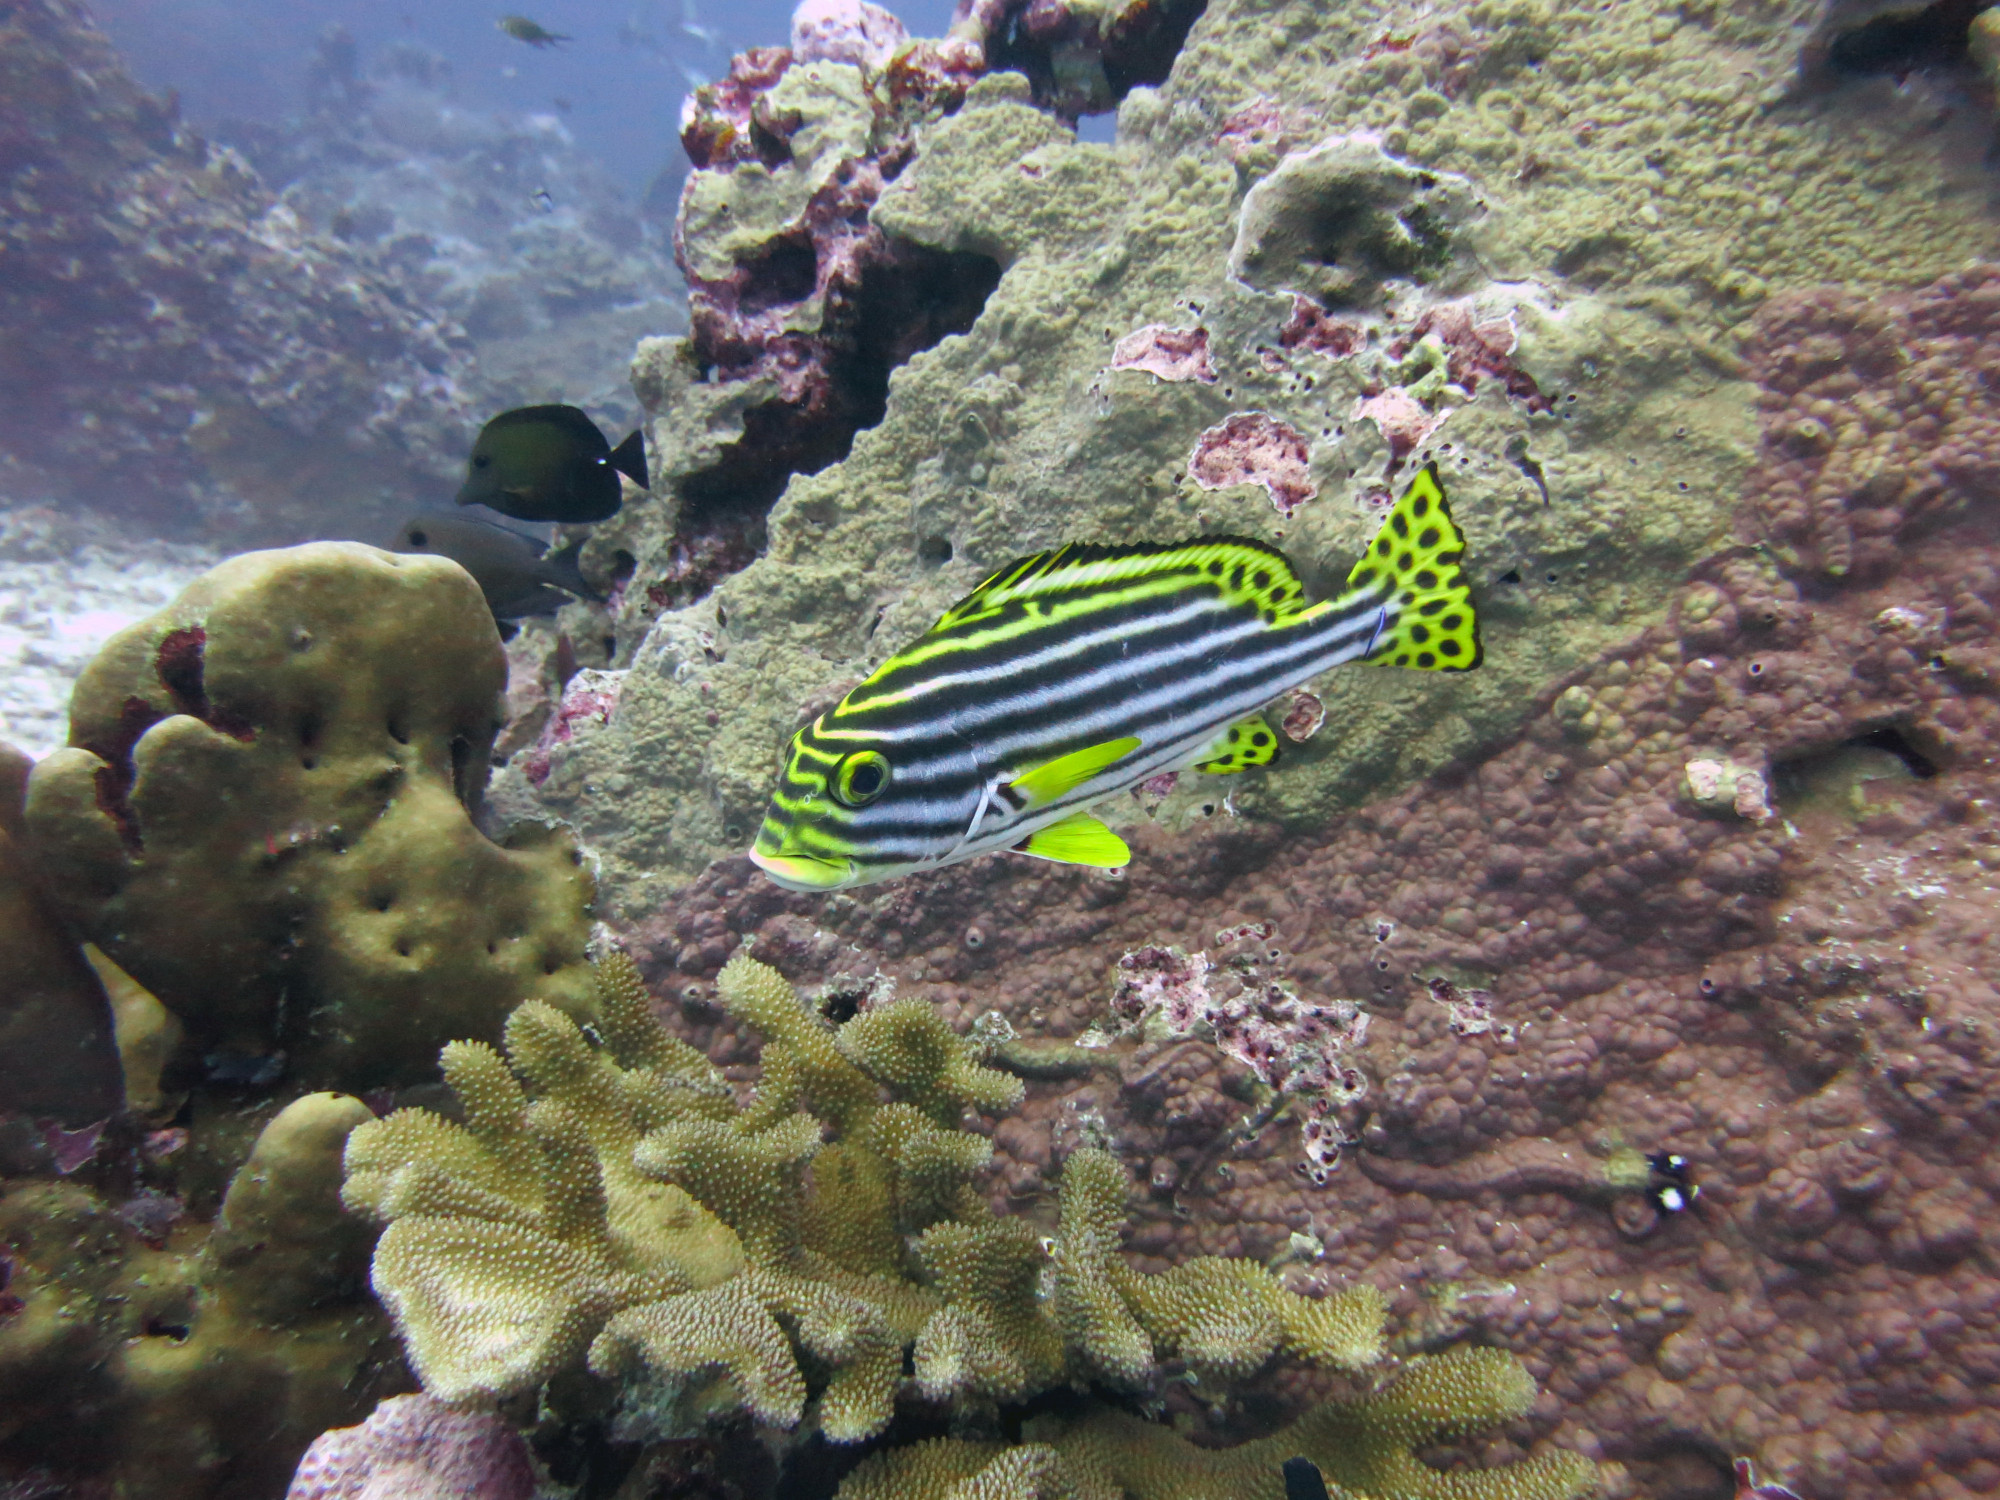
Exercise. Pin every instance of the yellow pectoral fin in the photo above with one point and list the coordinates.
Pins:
(1078, 839)
(1065, 773)
(1239, 747)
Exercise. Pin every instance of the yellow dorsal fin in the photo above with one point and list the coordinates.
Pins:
(1412, 564)
(1240, 568)
(1048, 782)
(1239, 747)
(1078, 839)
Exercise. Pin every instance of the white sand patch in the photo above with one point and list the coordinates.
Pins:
(67, 584)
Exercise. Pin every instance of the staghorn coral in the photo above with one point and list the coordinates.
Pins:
(1365, 1448)
(264, 815)
(633, 1214)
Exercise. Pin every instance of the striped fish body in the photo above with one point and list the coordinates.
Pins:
(1072, 675)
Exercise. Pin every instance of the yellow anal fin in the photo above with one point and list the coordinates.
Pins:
(1239, 747)
(1055, 779)
(1412, 565)
(1078, 839)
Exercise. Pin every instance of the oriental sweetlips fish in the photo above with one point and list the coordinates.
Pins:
(1075, 674)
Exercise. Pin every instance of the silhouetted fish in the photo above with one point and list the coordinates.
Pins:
(521, 29)
(1303, 1480)
(512, 571)
(549, 463)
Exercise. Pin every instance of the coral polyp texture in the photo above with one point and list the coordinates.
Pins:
(625, 1211)
(265, 811)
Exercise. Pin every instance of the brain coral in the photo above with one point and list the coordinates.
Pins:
(265, 816)
(634, 1213)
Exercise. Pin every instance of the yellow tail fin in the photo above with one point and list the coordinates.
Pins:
(1414, 558)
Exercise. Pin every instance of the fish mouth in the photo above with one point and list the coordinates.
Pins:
(804, 872)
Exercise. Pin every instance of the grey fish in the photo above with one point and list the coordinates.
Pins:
(521, 29)
(550, 463)
(512, 570)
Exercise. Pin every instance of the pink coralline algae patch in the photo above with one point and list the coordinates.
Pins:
(1310, 327)
(1406, 423)
(1476, 350)
(1304, 716)
(1253, 447)
(1264, 127)
(1171, 354)
(417, 1448)
(590, 698)
(849, 31)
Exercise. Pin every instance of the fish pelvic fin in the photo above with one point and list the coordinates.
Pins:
(1412, 566)
(1239, 747)
(1048, 782)
(1078, 839)
(563, 572)
(629, 459)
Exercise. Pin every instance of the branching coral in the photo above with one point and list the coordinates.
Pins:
(632, 1214)
(1364, 1448)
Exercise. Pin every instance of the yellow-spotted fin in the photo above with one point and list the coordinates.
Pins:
(1431, 623)
(1048, 782)
(1240, 747)
(1252, 572)
(1078, 839)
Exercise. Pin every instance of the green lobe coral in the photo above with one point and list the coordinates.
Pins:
(265, 810)
(623, 1211)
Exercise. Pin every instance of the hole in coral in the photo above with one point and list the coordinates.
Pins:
(1903, 41)
(157, 1327)
(399, 731)
(403, 947)
(382, 900)
(935, 550)
(1892, 740)
(786, 272)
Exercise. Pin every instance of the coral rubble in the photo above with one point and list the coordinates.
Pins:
(264, 815)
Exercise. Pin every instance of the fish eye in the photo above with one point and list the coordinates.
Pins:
(484, 461)
(861, 778)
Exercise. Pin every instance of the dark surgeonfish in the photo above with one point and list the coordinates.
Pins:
(549, 463)
(1072, 675)
(517, 577)
(521, 29)
(1303, 1480)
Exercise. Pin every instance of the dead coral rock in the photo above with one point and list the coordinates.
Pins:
(417, 1448)
(265, 816)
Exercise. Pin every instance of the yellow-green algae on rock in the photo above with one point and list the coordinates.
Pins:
(265, 815)
(1642, 182)
(623, 1210)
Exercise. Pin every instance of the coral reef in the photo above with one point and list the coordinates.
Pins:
(1362, 1447)
(1797, 1003)
(636, 1211)
(264, 815)
(174, 338)
(174, 1367)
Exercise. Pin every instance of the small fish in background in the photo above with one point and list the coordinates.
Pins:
(514, 572)
(550, 463)
(545, 201)
(1071, 675)
(563, 106)
(1303, 1480)
(521, 29)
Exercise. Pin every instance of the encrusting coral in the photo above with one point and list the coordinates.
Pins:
(634, 1214)
(264, 814)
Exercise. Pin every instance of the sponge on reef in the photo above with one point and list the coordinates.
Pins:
(623, 1209)
(264, 815)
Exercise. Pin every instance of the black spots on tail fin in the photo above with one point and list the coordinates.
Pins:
(1414, 557)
